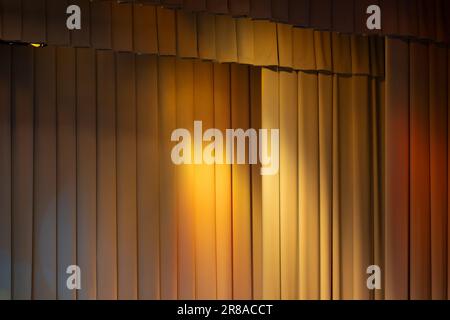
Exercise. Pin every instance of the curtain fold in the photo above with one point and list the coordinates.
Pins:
(416, 119)
(337, 204)
(89, 179)
(420, 19)
(153, 29)
(86, 144)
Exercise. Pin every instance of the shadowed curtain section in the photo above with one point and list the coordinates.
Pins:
(322, 214)
(423, 19)
(416, 159)
(87, 177)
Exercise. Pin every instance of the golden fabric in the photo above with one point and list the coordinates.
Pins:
(87, 177)
(153, 29)
(318, 244)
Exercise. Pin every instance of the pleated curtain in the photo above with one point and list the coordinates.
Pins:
(416, 164)
(88, 180)
(87, 177)
(322, 214)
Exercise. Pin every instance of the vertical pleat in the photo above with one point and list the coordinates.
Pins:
(122, 27)
(185, 176)
(44, 220)
(167, 180)
(427, 18)
(378, 171)
(265, 45)
(205, 219)
(101, 33)
(206, 36)
(420, 259)
(226, 46)
(145, 38)
(241, 202)
(441, 31)
(284, 32)
(66, 167)
(245, 43)
(323, 53)
(223, 187)
(187, 34)
(257, 249)
(308, 186)
(167, 43)
(5, 173)
(438, 170)
(22, 171)
(342, 53)
(148, 193)
(325, 86)
(303, 56)
(288, 185)
(389, 17)
(271, 285)
(345, 167)
(397, 169)
(360, 55)
(86, 173)
(106, 177)
(362, 200)
(407, 21)
(336, 233)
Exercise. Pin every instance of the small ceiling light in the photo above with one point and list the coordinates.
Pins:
(22, 43)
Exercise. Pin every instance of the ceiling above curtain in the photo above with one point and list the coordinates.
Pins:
(157, 30)
(422, 19)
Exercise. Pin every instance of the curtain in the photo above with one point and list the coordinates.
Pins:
(153, 29)
(87, 177)
(416, 160)
(322, 215)
(413, 18)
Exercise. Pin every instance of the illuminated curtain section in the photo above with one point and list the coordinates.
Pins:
(152, 29)
(416, 159)
(87, 177)
(321, 220)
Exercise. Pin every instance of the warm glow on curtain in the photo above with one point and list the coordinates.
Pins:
(322, 215)
(87, 176)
